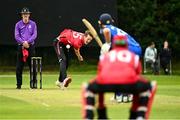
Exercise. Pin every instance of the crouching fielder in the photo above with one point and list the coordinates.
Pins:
(129, 81)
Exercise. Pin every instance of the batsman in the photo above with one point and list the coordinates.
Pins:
(108, 31)
(69, 38)
(128, 81)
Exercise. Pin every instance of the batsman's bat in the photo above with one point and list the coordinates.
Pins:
(92, 31)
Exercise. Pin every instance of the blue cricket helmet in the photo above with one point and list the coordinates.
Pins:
(105, 19)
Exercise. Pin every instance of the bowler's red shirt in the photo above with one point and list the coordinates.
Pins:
(73, 38)
(119, 66)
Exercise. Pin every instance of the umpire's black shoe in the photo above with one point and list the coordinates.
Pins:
(35, 84)
(31, 84)
(34, 87)
(18, 87)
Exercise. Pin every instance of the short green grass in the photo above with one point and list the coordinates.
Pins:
(53, 103)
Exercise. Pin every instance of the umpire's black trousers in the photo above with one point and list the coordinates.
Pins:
(20, 63)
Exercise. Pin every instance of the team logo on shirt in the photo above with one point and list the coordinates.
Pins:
(29, 26)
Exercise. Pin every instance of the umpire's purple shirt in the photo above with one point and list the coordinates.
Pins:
(25, 32)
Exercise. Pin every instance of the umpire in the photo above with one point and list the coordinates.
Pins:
(25, 36)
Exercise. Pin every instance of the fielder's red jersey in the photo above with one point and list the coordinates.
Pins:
(73, 38)
(119, 66)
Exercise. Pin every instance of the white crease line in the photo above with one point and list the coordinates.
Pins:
(46, 105)
(5, 76)
(9, 76)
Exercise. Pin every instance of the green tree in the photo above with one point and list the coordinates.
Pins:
(151, 20)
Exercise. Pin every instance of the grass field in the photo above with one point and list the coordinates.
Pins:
(53, 103)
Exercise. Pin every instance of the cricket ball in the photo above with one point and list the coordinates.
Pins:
(68, 46)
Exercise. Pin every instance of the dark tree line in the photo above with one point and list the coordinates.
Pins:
(151, 20)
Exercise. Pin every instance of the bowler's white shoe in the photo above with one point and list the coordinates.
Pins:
(67, 81)
(59, 84)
